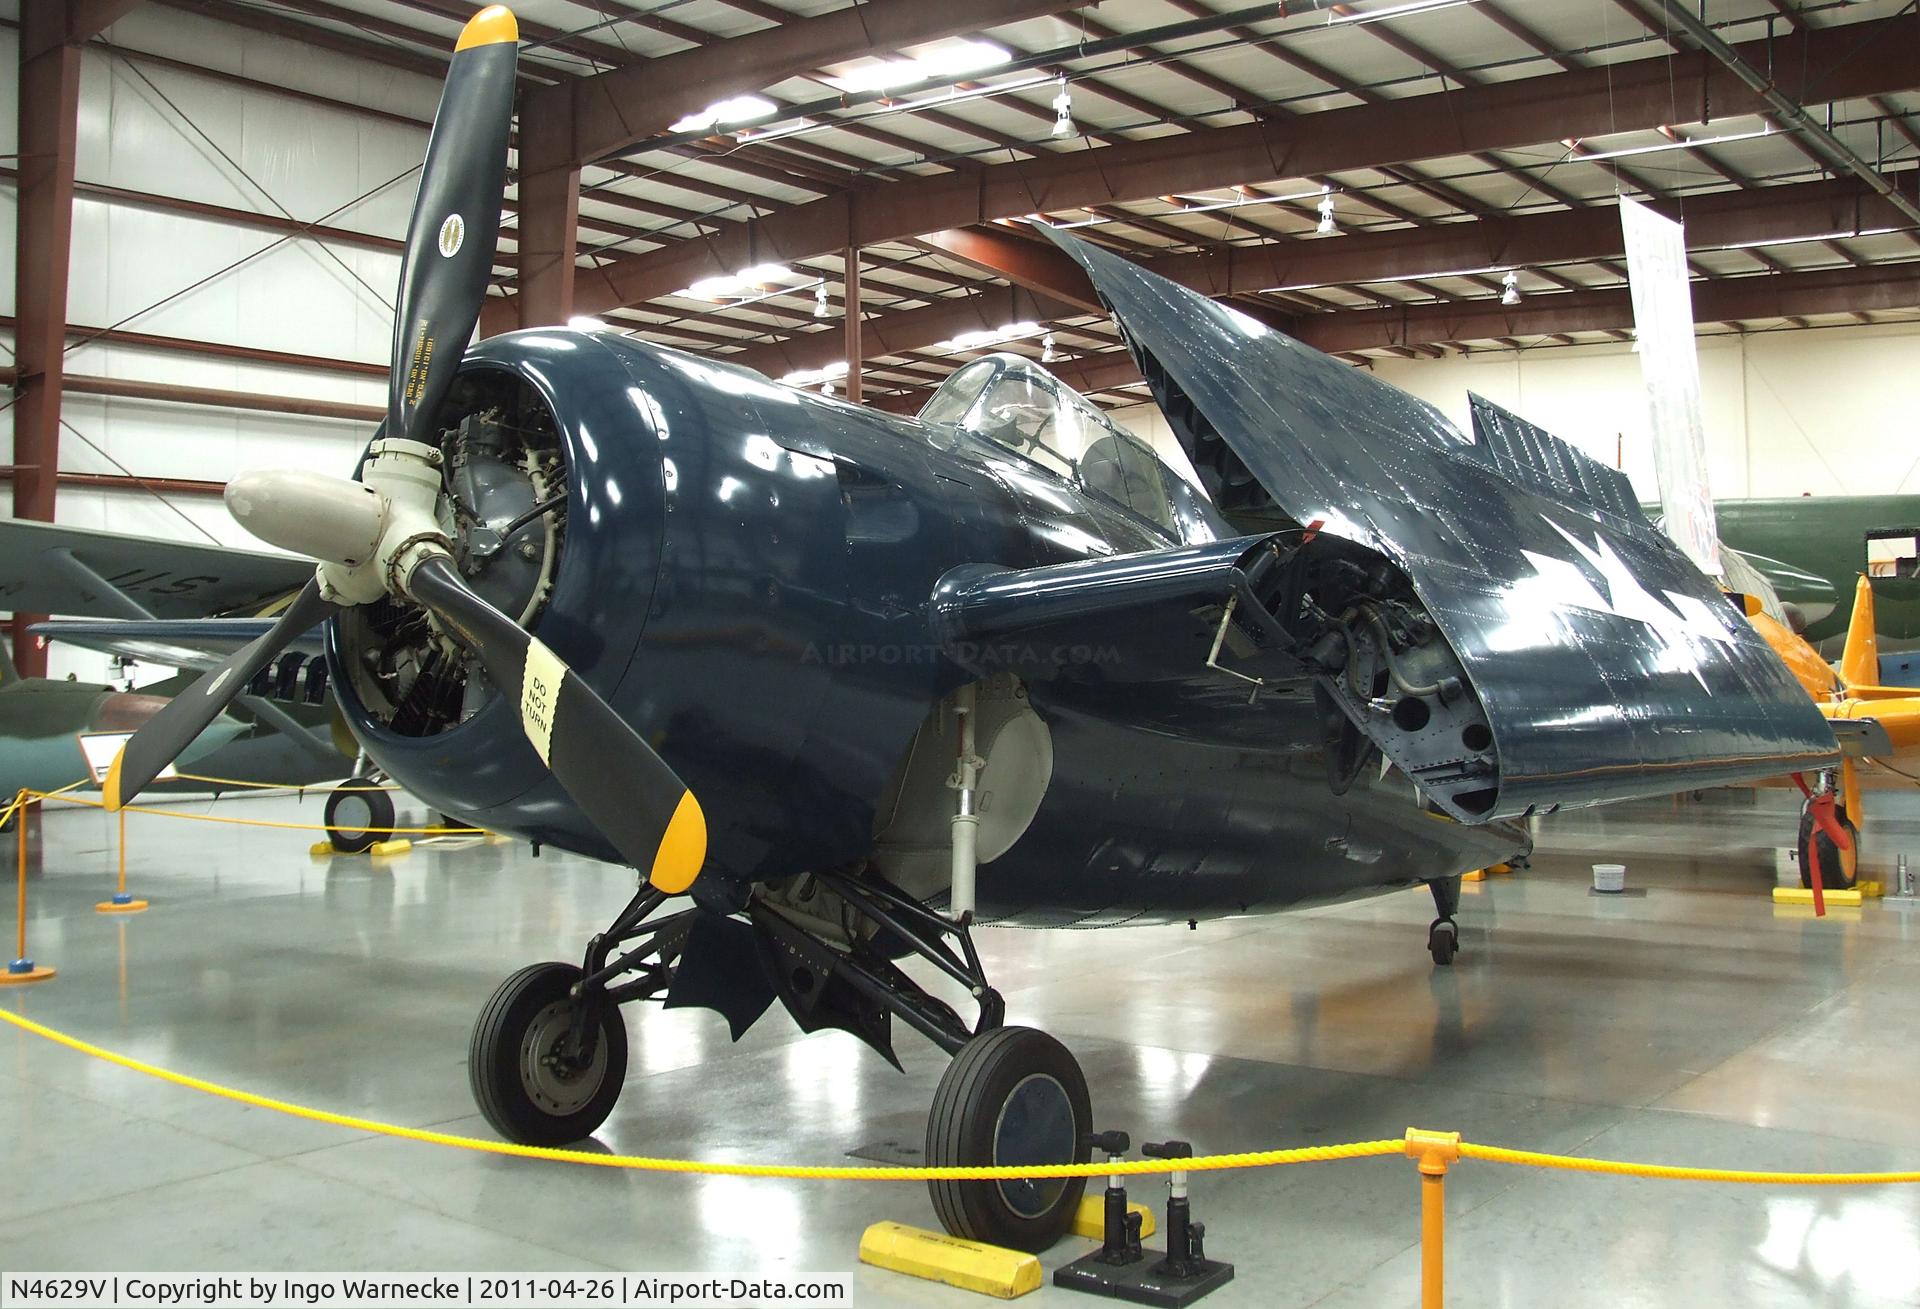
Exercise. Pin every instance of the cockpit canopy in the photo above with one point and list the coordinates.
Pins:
(1020, 406)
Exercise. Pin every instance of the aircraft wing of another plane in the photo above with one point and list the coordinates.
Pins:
(52, 568)
(201, 644)
(1608, 665)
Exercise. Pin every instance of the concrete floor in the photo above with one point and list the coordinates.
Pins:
(1696, 1024)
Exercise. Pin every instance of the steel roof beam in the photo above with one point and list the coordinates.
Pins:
(1855, 60)
(1725, 300)
(1721, 219)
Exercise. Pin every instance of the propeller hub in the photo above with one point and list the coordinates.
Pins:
(367, 536)
(326, 518)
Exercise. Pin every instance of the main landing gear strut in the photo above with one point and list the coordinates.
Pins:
(1443, 935)
(549, 1051)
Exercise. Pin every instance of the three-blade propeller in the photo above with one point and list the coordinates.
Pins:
(380, 536)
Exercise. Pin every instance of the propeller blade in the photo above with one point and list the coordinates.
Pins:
(620, 784)
(169, 732)
(455, 223)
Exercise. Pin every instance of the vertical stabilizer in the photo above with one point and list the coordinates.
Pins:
(8, 673)
(1860, 661)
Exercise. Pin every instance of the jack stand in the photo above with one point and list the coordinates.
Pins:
(1120, 1269)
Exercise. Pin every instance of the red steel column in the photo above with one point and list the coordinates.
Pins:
(49, 112)
(549, 210)
(851, 260)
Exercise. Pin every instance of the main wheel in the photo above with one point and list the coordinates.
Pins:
(1011, 1096)
(522, 1079)
(358, 814)
(1838, 868)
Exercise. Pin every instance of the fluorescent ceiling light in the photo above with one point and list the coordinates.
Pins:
(1392, 277)
(952, 58)
(948, 59)
(814, 376)
(1202, 204)
(1687, 144)
(981, 338)
(880, 75)
(1802, 240)
(718, 288)
(1398, 11)
(734, 109)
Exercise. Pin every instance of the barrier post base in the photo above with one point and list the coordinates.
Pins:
(24, 970)
(121, 903)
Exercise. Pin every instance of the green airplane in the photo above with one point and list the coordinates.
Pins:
(1813, 548)
(176, 596)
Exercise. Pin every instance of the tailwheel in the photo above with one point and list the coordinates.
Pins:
(359, 813)
(539, 1074)
(1839, 869)
(1443, 940)
(1011, 1096)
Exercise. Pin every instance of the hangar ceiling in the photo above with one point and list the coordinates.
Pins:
(1386, 177)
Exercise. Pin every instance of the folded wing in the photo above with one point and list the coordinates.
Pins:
(1606, 665)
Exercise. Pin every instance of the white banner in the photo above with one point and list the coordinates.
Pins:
(410, 1290)
(1670, 369)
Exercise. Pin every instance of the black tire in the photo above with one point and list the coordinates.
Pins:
(1839, 869)
(1032, 1075)
(359, 813)
(526, 1098)
(1443, 941)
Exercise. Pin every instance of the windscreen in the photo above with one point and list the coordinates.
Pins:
(1020, 406)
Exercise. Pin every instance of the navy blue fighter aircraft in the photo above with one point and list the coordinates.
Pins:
(840, 685)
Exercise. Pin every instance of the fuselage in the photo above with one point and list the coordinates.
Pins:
(1823, 540)
(746, 577)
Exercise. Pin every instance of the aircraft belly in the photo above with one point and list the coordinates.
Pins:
(1146, 828)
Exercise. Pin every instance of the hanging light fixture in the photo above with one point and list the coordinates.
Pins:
(1048, 354)
(1063, 109)
(820, 300)
(1510, 288)
(1326, 225)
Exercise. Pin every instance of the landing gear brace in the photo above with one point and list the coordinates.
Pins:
(549, 1052)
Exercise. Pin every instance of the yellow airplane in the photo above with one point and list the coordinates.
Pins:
(1877, 726)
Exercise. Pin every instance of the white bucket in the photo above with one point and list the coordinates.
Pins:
(1610, 878)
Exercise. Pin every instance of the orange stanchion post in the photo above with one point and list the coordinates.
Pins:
(21, 968)
(122, 901)
(1434, 1151)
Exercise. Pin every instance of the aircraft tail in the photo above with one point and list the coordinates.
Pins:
(1860, 661)
(8, 673)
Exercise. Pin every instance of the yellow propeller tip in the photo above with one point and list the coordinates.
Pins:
(490, 26)
(683, 848)
(110, 789)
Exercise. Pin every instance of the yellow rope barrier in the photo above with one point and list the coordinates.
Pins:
(1201, 1164)
(1495, 1154)
(25, 797)
(1207, 1163)
(1211, 1163)
(249, 822)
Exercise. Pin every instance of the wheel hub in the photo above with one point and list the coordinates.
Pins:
(553, 1080)
(1035, 1126)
